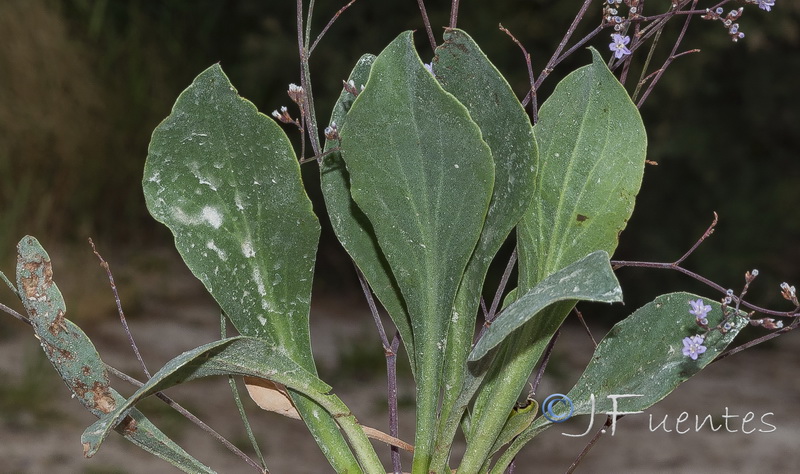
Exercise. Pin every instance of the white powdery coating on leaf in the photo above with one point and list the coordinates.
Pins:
(220, 253)
(212, 216)
(260, 283)
(262, 320)
(247, 249)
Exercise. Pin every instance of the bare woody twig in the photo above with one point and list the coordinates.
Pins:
(427, 22)
(532, 92)
(122, 319)
(330, 23)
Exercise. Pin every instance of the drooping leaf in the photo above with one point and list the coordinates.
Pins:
(243, 356)
(592, 147)
(423, 176)
(76, 360)
(642, 355)
(225, 180)
(588, 279)
(352, 227)
(465, 71)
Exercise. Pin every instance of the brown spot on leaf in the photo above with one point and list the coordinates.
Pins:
(58, 324)
(103, 400)
(581, 218)
(127, 426)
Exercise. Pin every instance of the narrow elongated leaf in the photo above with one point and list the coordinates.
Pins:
(248, 357)
(592, 147)
(642, 355)
(589, 279)
(464, 71)
(225, 180)
(352, 227)
(76, 360)
(421, 173)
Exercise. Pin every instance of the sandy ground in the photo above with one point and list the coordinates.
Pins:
(176, 315)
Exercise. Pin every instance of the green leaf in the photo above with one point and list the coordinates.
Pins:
(642, 355)
(464, 71)
(225, 180)
(592, 147)
(352, 227)
(421, 173)
(588, 279)
(76, 360)
(244, 356)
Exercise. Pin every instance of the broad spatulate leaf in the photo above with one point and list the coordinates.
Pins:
(423, 176)
(225, 180)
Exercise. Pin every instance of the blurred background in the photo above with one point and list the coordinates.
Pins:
(84, 82)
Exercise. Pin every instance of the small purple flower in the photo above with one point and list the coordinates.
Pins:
(693, 346)
(766, 4)
(699, 309)
(619, 45)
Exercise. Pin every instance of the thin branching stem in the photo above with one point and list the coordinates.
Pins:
(188, 415)
(585, 326)
(498, 296)
(590, 445)
(545, 359)
(238, 401)
(394, 420)
(390, 351)
(10, 311)
(676, 266)
(122, 319)
(454, 13)
(672, 56)
(794, 324)
(567, 36)
(427, 22)
(532, 92)
(307, 107)
(330, 23)
(373, 308)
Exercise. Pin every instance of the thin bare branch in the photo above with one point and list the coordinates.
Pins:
(10, 311)
(191, 417)
(122, 319)
(427, 22)
(585, 326)
(590, 445)
(330, 23)
(545, 359)
(532, 92)
(454, 13)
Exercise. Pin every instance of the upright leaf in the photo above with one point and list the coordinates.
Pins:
(641, 355)
(592, 147)
(464, 71)
(352, 227)
(225, 180)
(423, 176)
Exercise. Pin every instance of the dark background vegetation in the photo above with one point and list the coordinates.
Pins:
(84, 82)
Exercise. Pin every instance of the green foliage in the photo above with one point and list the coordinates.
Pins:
(642, 355)
(76, 360)
(427, 171)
